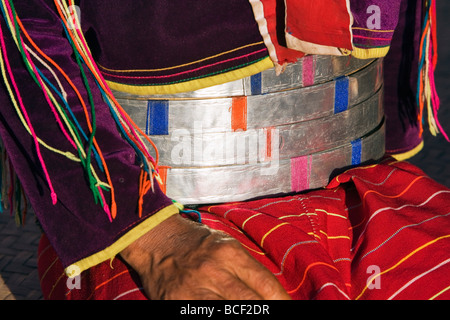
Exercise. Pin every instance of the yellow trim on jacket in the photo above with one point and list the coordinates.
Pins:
(110, 252)
(195, 84)
(371, 53)
(409, 154)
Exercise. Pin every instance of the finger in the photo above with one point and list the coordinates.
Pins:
(227, 288)
(236, 289)
(261, 280)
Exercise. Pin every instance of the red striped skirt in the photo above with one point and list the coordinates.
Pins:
(375, 232)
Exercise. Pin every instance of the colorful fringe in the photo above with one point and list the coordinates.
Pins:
(84, 144)
(427, 96)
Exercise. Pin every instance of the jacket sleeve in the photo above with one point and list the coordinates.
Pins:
(78, 225)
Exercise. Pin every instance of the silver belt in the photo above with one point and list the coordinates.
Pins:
(183, 148)
(280, 108)
(242, 182)
(266, 134)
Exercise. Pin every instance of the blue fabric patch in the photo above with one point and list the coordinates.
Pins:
(157, 117)
(341, 94)
(356, 152)
(256, 83)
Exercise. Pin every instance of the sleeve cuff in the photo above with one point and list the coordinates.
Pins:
(110, 252)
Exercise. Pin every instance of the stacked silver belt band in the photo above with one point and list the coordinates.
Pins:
(265, 110)
(241, 182)
(288, 135)
(186, 148)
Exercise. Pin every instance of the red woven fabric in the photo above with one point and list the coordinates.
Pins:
(321, 22)
(376, 232)
(272, 17)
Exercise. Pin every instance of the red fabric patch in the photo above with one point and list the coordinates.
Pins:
(274, 16)
(321, 22)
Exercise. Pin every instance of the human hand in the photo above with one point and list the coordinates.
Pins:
(181, 259)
